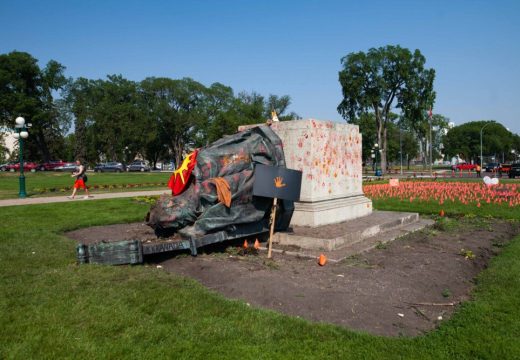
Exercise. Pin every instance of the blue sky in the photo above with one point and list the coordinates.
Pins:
(281, 47)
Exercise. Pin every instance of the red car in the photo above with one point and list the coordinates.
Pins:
(51, 165)
(504, 168)
(27, 166)
(463, 166)
(7, 166)
(12, 167)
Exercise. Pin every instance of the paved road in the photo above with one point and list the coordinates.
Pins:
(64, 198)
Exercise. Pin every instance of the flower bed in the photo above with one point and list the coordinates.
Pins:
(443, 192)
(98, 186)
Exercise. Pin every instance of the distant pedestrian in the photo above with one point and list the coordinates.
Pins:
(81, 179)
(478, 169)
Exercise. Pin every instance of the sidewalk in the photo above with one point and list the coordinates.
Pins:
(64, 198)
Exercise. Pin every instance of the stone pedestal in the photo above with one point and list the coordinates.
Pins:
(329, 156)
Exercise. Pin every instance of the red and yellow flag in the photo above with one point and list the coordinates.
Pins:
(180, 177)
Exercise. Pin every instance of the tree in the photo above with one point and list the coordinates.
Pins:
(368, 131)
(438, 125)
(79, 102)
(157, 118)
(70, 148)
(394, 135)
(177, 109)
(117, 117)
(220, 108)
(109, 118)
(464, 140)
(410, 148)
(251, 108)
(19, 89)
(26, 90)
(49, 126)
(367, 127)
(280, 104)
(382, 79)
(225, 112)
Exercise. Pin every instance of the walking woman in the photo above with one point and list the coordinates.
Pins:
(81, 179)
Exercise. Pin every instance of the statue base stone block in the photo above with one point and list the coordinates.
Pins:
(331, 211)
(329, 156)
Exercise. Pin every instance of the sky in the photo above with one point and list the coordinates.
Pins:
(281, 47)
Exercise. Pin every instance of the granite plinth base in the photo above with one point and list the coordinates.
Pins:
(330, 211)
(351, 236)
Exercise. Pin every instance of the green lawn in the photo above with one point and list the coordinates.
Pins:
(50, 183)
(52, 308)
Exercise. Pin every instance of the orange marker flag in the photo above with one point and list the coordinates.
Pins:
(322, 260)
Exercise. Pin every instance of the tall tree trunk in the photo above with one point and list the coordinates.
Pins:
(80, 150)
(42, 143)
(424, 150)
(384, 150)
(178, 148)
(379, 127)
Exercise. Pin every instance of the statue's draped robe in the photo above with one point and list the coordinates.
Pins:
(197, 211)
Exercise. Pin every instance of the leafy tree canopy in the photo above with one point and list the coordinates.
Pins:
(27, 90)
(383, 79)
(464, 140)
(118, 119)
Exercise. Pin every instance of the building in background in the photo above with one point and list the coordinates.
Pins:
(7, 142)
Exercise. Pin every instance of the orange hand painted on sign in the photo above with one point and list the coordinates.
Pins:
(278, 182)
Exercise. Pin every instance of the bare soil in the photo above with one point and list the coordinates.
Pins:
(403, 288)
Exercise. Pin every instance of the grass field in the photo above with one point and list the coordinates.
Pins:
(52, 308)
(51, 183)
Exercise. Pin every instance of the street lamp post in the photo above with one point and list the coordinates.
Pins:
(481, 130)
(430, 120)
(375, 150)
(127, 153)
(401, 145)
(431, 148)
(21, 134)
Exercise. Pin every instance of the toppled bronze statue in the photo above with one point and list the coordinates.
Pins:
(213, 189)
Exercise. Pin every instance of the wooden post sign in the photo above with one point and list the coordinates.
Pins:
(277, 183)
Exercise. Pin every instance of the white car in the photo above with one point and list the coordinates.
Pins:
(66, 167)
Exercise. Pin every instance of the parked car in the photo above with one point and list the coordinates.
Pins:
(514, 171)
(492, 167)
(463, 166)
(51, 165)
(504, 169)
(6, 166)
(27, 166)
(110, 167)
(30, 166)
(138, 165)
(12, 167)
(68, 166)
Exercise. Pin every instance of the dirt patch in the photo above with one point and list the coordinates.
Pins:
(118, 232)
(406, 287)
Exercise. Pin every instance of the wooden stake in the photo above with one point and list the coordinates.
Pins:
(273, 219)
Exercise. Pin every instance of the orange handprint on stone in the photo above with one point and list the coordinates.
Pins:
(278, 182)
